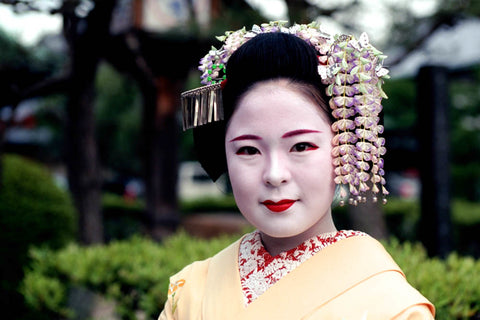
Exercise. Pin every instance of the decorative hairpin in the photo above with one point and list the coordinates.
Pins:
(202, 105)
(353, 72)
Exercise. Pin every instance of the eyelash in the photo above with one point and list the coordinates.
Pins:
(247, 150)
(304, 146)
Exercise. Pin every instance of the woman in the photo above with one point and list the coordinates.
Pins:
(294, 123)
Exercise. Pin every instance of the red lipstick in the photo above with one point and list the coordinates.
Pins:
(279, 206)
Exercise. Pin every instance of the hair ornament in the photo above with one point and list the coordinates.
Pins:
(354, 75)
(202, 105)
(351, 68)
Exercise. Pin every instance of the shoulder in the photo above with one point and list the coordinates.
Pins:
(194, 270)
(417, 312)
(185, 291)
(386, 287)
(368, 253)
(198, 270)
(187, 287)
(180, 292)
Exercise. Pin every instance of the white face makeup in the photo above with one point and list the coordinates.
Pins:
(278, 148)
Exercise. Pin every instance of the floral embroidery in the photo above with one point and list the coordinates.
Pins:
(172, 291)
(259, 270)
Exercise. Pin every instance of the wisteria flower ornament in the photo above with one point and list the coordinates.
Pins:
(353, 73)
(355, 77)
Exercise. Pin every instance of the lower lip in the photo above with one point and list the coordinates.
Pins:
(279, 207)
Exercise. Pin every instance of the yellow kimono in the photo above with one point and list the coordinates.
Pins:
(352, 279)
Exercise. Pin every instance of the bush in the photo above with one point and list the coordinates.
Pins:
(135, 274)
(121, 219)
(402, 218)
(211, 205)
(466, 222)
(452, 285)
(33, 211)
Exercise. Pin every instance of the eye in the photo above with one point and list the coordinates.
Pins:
(303, 146)
(248, 151)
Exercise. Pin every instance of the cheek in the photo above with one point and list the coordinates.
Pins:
(319, 172)
(240, 175)
(242, 186)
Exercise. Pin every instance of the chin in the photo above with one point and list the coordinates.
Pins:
(281, 233)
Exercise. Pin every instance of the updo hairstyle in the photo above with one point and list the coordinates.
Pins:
(268, 56)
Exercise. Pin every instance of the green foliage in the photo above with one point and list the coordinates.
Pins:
(33, 212)
(452, 285)
(121, 218)
(12, 53)
(33, 209)
(135, 274)
(460, 8)
(402, 218)
(39, 59)
(465, 137)
(222, 204)
(118, 121)
(114, 202)
(466, 213)
(400, 112)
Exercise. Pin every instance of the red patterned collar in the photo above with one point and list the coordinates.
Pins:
(259, 270)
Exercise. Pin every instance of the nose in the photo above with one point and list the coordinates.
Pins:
(276, 171)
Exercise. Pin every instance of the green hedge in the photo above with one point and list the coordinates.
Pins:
(135, 274)
(402, 218)
(211, 205)
(33, 212)
(121, 218)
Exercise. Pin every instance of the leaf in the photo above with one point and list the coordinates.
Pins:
(355, 70)
(330, 90)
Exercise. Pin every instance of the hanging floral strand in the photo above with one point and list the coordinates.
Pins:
(355, 77)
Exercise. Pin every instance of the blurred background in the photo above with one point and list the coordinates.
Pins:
(92, 151)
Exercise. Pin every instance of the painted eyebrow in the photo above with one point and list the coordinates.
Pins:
(246, 137)
(298, 132)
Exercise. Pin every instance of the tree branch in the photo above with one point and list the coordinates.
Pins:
(439, 22)
(47, 87)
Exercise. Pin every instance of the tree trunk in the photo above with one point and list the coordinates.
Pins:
(84, 174)
(86, 38)
(161, 149)
(3, 127)
(434, 136)
(161, 98)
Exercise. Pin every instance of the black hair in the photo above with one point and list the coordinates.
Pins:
(265, 57)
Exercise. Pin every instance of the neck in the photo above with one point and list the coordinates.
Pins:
(275, 245)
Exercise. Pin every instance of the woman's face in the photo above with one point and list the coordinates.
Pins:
(278, 148)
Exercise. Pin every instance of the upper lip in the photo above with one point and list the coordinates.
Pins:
(283, 201)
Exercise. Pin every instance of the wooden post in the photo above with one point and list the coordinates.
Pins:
(433, 131)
